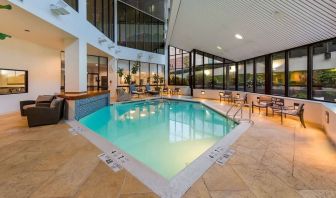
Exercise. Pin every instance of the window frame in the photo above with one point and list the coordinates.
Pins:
(26, 79)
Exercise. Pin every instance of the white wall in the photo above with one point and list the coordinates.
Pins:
(43, 65)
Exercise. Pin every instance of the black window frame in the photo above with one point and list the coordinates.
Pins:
(26, 79)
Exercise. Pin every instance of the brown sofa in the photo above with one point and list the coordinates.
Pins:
(43, 115)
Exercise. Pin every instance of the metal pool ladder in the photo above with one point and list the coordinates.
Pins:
(239, 111)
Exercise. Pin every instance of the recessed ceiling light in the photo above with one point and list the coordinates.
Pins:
(219, 47)
(26, 30)
(238, 36)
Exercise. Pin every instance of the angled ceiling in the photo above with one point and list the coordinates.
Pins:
(15, 22)
(266, 25)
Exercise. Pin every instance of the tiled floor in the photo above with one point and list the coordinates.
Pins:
(271, 160)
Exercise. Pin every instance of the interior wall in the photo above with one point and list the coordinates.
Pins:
(43, 65)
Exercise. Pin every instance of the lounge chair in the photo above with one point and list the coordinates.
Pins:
(262, 102)
(150, 91)
(165, 90)
(43, 115)
(227, 95)
(122, 95)
(176, 91)
(134, 91)
(41, 101)
(296, 110)
(240, 98)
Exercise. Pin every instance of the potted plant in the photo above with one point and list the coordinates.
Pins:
(128, 79)
(156, 78)
(135, 67)
(120, 72)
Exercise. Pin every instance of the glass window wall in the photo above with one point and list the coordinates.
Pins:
(139, 73)
(297, 67)
(100, 13)
(139, 30)
(278, 74)
(249, 75)
(241, 76)
(260, 74)
(324, 71)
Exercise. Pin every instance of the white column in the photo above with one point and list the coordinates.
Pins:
(75, 66)
(113, 76)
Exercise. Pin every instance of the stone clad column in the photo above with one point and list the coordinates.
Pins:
(75, 65)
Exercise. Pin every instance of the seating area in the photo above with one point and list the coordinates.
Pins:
(275, 104)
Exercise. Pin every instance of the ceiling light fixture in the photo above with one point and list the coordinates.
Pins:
(238, 36)
(219, 47)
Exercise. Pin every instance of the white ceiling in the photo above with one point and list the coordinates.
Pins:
(14, 22)
(206, 24)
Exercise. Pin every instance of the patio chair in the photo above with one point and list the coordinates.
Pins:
(240, 98)
(176, 91)
(122, 95)
(227, 95)
(262, 102)
(134, 91)
(150, 91)
(296, 110)
(42, 115)
(41, 101)
(165, 90)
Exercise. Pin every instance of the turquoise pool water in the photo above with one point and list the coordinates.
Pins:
(165, 135)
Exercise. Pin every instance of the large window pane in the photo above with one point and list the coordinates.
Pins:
(135, 67)
(103, 73)
(178, 66)
(122, 24)
(155, 36)
(106, 17)
(140, 30)
(130, 27)
(123, 72)
(260, 74)
(153, 74)
(144, 75)
(231, 85)
(161, 38)
(199, 70)
(111, 19)
(148, 33)
(91, 11)
(249, 76)
(99, 14)
(241, 76)
(297, 67)
(208, 67)
(278, 74)
(13, 81)
(186, 67)
(218, 73)
(324, 71)
(161, 72)
(92, 73)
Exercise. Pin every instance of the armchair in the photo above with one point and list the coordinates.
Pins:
(42, 115)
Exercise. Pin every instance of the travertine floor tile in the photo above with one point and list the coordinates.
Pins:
(198, 190)
(102, 183)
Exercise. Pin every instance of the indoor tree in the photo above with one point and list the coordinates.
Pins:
(3, 36)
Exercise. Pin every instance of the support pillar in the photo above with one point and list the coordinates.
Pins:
(75, 66)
